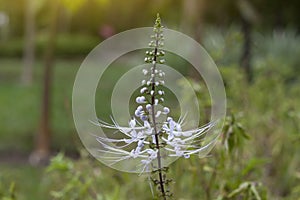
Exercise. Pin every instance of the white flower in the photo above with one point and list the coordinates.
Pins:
(145, 72)
(143, 90)
(143, 135)
(140, 108)
(160, 92)
(158, 114)
(148, 107)
(137, 113)
(179, 143)
(141, 99)
(162, 61)
(143, 117)
(132, 123)
(166, 110)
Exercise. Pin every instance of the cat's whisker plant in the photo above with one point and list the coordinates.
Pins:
(152, 136)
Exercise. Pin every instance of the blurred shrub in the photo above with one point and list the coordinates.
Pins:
(223, 46)
(228, 174)
(7, 193)
(11, 48)
(269, 108)
(75, 45)
(67, 45)
(272, 53)
(224, 177)
(278, 53)
(86, 179)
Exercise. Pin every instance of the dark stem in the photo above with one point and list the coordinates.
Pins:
(161, 181)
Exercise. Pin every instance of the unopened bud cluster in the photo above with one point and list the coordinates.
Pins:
(150, 94)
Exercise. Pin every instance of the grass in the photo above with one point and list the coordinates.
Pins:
(25, 179)
(20, 105)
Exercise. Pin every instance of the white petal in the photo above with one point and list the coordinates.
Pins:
(158, 114)
(132, 123)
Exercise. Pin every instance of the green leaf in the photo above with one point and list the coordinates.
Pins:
(254, 191)
(60, 163)
(253, 164)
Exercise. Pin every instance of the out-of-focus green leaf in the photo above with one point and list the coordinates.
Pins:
(60, 163)
(253, 164)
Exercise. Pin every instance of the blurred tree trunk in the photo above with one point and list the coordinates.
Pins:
(65, 21)
(192, 18)
(192, 21)
(29, 47)
(43, 138)
(245, 61)
(249, 17)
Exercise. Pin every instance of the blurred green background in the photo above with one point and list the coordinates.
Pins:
(255, 44)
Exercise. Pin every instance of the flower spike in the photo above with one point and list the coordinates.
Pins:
(147, 139)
